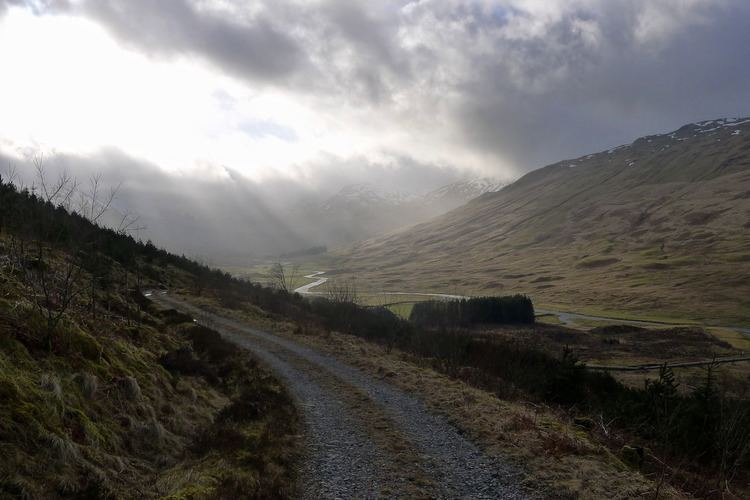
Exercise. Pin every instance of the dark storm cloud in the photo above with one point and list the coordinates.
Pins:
(376, 61)
(593, 79)
(255, 48)
(251, 47)
(341, 48)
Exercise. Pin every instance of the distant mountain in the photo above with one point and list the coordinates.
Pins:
(458, 193)
(362, 211)
(462, 191)
(660, 226)
(366, 196)
(361, 197)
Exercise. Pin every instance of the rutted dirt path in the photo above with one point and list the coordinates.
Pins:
(366, 438)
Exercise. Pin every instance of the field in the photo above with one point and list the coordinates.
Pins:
(260, 272)
(593, 340)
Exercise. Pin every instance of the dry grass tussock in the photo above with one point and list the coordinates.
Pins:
(558, 458)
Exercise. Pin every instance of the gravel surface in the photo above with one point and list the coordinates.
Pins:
(345, 456)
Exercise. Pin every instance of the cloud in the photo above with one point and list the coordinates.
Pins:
(222, 215)
(266, 129)
(251, 46)
(498, 86)
(546, 80)
(225, 215)
(402, 95)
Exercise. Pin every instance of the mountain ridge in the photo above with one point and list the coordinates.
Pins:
(360, 211)
(621, 230)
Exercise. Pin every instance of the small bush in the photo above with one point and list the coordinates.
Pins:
(210, 343)
(171, 316)
(182, 361)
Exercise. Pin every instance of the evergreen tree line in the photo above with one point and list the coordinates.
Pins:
(34, 226)
(512, 309)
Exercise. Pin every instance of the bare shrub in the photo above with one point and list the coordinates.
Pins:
(283, 278)
(343, 292)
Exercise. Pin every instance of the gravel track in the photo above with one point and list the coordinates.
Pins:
(366, 438)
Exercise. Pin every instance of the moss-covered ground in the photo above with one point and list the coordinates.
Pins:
(122, 400)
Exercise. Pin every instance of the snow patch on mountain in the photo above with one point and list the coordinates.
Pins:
(367, 196)
(466, 190)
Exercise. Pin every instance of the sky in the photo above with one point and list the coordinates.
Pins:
(316, 94)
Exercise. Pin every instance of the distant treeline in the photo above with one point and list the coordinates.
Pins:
(27, 219)
(512, 309)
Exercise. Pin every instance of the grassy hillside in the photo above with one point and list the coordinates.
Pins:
(102, 395)
(657, 228)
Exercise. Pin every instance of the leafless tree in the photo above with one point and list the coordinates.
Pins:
(129, 223)
(50, 286)
(54, 280)
(60, 192)
(283, 278)
(342, 292)
(94, 203)
(11, 176)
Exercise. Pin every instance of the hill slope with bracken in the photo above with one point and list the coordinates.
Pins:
(658, 227)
